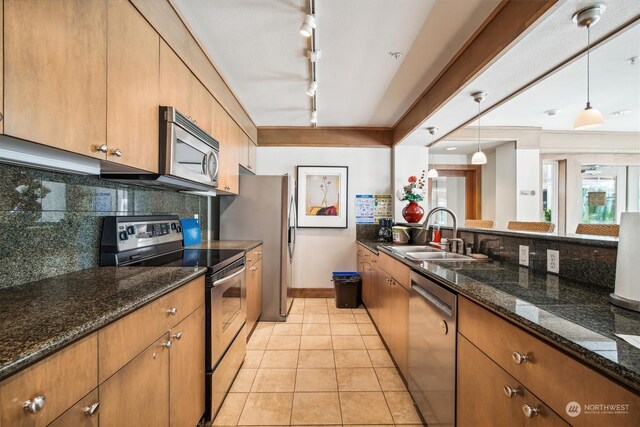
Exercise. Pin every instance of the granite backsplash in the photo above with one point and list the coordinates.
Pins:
(50, 223)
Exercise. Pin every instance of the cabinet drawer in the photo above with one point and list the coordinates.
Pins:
(254, 255)
(123, 340)
(483, 400)
(79, 415)
(62, 379)
(550, 374)
(395, 269)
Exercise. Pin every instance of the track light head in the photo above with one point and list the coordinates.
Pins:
(312, 89)
(432, 130)
(308, 26)
(314, 117)
(314, 55)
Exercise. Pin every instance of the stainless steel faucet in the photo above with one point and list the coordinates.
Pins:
(455, 240)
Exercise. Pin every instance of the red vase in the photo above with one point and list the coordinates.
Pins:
(413, 212)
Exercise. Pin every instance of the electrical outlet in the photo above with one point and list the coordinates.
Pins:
(524, 255)
(195, 216)
(553, 261)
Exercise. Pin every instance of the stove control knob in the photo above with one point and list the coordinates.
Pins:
(130, 230)
(173, 225)
(123, 235)
(178, 229)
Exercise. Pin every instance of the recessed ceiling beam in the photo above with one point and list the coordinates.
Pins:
(509, 21)
(303, 136)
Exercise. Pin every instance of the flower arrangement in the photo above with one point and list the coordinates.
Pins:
(413, 191)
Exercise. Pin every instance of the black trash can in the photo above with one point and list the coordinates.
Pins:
(348, 286)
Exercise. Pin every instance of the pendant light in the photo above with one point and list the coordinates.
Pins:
(432, 173)
(590, 117)
(479, 158)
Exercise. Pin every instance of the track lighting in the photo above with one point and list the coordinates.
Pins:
(590, 117)
(479, 158)
(312, 89)
(308, 26)
(314, 117)
(314, 55)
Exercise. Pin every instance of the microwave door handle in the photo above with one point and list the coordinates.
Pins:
(215, 174)
(205, 166)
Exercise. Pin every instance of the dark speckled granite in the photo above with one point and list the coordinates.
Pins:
(57, 218)
(576, 317)
(39, 318)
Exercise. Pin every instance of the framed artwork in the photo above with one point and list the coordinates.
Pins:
(322, 196)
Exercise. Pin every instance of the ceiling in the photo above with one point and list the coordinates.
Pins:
(544, 47)
(256, 47)
(464, 147)
(615, 86)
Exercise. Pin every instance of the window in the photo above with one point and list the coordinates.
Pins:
(550, 192)
(599, 194)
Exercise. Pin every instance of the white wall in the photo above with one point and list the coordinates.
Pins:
(320, 251)
(407, 161)
(505, 188)
(528, 180)
(488, 203)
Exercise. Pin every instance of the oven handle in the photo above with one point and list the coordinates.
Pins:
(228, 278)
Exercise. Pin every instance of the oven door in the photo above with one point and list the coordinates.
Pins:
(191, 158)
(227, 314)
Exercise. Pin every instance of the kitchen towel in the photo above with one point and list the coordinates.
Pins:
(190, 231)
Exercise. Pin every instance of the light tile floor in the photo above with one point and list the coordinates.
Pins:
(324, 366)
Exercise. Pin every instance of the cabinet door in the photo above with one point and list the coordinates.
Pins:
(200, 104)
(55, 73)
(138, 394)
(175, 80)
(384, 294)
(251, 278)
(84, 413)
(229, 161)
(480, 390)
(187, 370)
(133, 95)
(400, 327)
(253, 161)
(374, 282)
(243, 150)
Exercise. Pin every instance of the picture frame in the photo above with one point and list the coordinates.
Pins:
(322, 196)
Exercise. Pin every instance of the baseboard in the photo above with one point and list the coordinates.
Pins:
(313, 293)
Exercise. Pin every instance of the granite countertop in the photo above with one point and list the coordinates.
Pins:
(575, 317)
(243, 245)
(38, 318)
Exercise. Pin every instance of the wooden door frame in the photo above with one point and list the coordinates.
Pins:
(473, 175)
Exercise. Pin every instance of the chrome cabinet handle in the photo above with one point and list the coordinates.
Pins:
(35, 405)
(117, 152)
(178, 336)
(167, 344)
(510, 391)
(519, 358)
(529, 411)
(249, 259)
(103, 148)
(172, 311)
(91, 409)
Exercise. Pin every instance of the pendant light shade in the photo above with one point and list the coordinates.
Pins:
(479, 158)
(588, 118)
(433, 173)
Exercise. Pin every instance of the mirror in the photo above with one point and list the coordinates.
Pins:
(539, 169)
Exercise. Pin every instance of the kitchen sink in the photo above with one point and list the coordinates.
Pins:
(436, 256)
(411, 249)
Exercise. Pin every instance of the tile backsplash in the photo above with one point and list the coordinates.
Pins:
(50, 223)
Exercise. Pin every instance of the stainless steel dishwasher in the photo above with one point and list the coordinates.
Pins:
(432, 350)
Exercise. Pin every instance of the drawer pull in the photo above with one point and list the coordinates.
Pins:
(167, 344)
(178, 335)
(374, 260)
(259, 253)
(35, 405)
(172, 311)
(117, 152)
(102, 148)
(249, 259)
(91, 409)
(510, 391)
(519, 358)
(529, 411)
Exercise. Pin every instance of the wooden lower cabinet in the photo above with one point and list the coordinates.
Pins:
(488, 396)
(254, 295)
(186, 377)
(138, 394)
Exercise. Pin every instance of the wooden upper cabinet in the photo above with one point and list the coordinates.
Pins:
(55, 69)
(133, 93)
(179, 88)
(247, 152)
(228, 180)
(253, 160)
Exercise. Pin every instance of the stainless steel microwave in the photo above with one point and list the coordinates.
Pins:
(189, 158)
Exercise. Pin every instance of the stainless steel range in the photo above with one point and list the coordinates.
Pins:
(157, 241)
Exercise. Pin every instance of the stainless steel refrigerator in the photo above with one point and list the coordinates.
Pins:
(265, 210)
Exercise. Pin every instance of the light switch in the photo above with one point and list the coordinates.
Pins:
(524, 255)
(553, 261)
